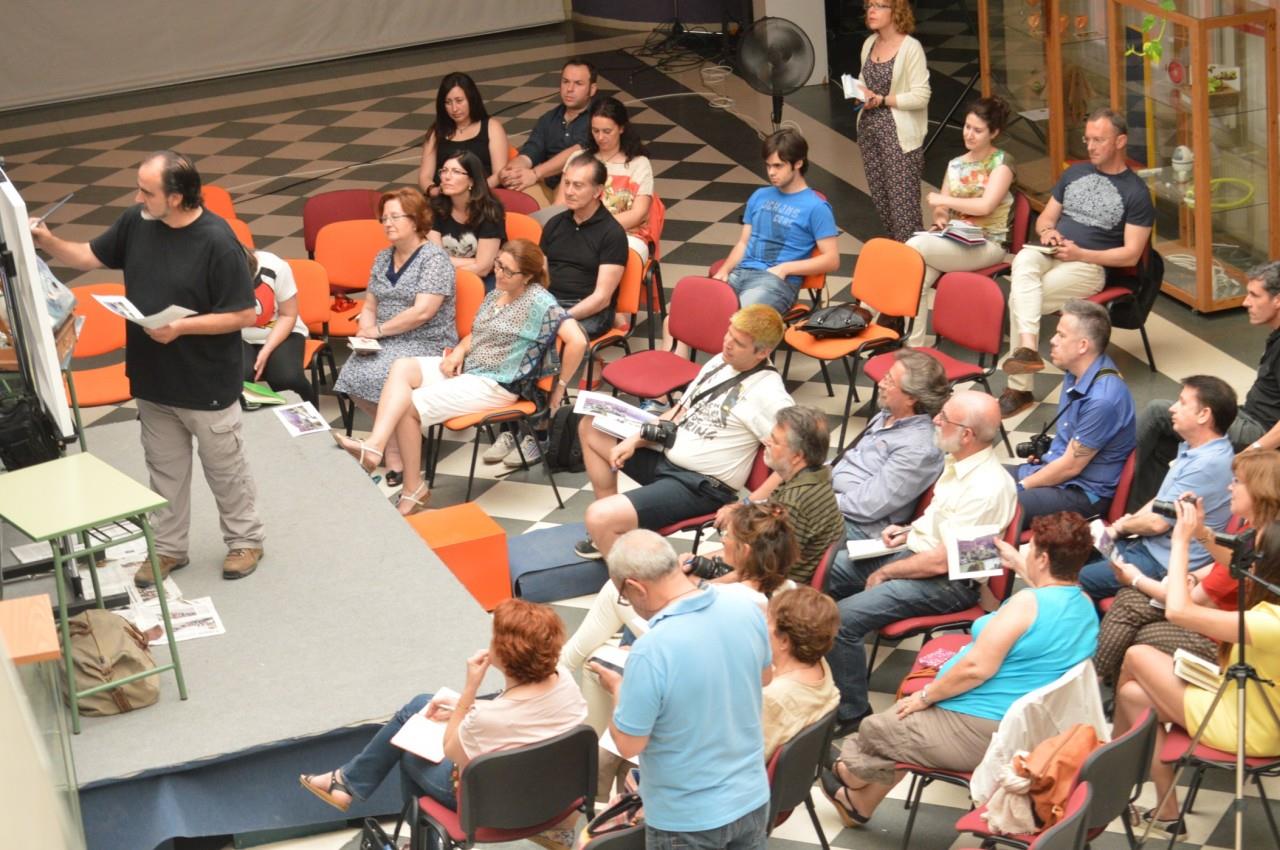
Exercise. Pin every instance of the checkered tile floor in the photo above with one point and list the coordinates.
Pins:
(273, 145)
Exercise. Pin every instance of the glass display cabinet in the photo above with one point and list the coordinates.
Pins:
(1194, 80)
(1048, 59)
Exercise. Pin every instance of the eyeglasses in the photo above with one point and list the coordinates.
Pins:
(942, 414)
(391, 218)
(456, 172)
(622, 596)
(882, 7)
(500, 269)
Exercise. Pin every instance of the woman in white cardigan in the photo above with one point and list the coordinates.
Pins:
(892, 123)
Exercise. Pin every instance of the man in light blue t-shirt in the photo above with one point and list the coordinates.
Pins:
(689, 704)
(783, 224)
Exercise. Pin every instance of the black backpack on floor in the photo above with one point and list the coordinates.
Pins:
(563, 451)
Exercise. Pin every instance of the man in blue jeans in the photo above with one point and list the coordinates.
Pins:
(873, 592)
(783, 223)
(1201, 416)
(690, 703)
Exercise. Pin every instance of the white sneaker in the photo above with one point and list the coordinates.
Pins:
(529, 447)
(501, 447)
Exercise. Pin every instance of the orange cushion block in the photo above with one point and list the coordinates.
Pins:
(472, 546)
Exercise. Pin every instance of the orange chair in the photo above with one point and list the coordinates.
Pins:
(218, 200)
(102, 333)
(627, 304)
(241, 230)
(652, 288)
(338, 205)
(347, 250)
(887, 278)
(521, 226)
(313, 308)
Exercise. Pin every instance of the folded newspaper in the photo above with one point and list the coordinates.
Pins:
(125, 309)
(612, 415)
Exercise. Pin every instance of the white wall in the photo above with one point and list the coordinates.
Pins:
(58, 50)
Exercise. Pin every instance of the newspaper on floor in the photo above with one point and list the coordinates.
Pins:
(30, 553)
(301, 418)
(191, 618)
(612, 415)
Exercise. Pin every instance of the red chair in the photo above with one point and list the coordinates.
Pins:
(759, 472)
(515, 201)
(1001, 587)
(1017, 235)
(818, 580)
(338, 205)
(1116, 510)
(1117, 771)
(916, 678)
(1177, 750)
(1070, 833)
(700, 313)
(968, 310)
(217, 200)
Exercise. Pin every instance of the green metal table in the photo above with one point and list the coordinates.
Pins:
(63, 498)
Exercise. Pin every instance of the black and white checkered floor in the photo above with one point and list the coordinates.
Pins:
(273, 139)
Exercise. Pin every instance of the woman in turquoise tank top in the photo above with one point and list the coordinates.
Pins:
(1032, 640)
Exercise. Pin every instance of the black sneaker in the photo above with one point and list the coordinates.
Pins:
(587, 550)
(1175, 828)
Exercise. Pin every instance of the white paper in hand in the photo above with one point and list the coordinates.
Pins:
(423, 737)
(854, 88)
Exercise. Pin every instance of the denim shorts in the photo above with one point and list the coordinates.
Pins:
(757, 286)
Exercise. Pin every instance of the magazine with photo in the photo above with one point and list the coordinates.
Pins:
(972, 552)
(612, 415)
(301, 418)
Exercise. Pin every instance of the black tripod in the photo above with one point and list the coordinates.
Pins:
(1243, 674)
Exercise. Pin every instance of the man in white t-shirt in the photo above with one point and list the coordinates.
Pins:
(722, 418)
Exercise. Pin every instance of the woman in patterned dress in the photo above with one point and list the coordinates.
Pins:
(894, 117)
(511, 346)
(408, 307)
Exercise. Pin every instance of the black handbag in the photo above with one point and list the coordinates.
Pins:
(26, 433)
(624, 813)
(837, 321)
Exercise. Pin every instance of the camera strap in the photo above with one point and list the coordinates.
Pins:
(1044, 432)
(722, 387)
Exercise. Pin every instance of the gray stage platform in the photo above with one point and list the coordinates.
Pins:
(348, 616)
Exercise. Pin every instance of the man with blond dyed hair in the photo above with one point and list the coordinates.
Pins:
(724, 415)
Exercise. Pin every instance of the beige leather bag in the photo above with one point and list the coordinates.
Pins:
(106, 647)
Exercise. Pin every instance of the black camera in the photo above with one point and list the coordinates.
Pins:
(707, 568)
(1166, 509)
(1037, 446)
(662, 432)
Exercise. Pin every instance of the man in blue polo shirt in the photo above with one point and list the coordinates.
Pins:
(558, 135)
(1095, 429)
(1204, 411)
(783, 224)
(689, 705)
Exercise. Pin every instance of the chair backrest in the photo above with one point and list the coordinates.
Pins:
(103, 330)
(514, 201)
(922, 502)
(657, 220)
(521, 226)
(760, 471)
(818, 580)
(1144, 280)
(1123, 486)
(468, 292)
(968, 310)
(313, 293)
(794, 766)
(1072, 831)
(1021, 222)
(699, 311)
(347, 250)
(218, 200)
(338, 205)
(242, 232)
(888, 277)
(628, 300)
(515, 789)
(1117, 770)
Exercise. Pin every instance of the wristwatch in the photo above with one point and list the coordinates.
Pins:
(924, 695)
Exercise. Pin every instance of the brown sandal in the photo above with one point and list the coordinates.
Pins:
(335, 784)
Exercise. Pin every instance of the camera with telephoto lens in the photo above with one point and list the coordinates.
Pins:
(1167, 510)
(707, 568)
(662, 432)
(1037, 446)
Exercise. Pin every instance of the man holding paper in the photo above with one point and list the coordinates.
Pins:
(911, 580)
(186, 375)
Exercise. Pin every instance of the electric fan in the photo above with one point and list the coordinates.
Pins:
(775, 57)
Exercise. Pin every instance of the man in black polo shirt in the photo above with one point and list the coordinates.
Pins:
(1257, 424)
(586, 249)
(558, 135)
(186, 375)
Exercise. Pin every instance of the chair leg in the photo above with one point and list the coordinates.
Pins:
(475, 454)
(911, 817)
(871, 661)
(848, 403)
(786, 364)
(817, 825)
(546, 463)
(826, 378)
(1146, 343)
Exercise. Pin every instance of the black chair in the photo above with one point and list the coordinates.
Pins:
(1072, 832)
(513, 794)
(631, 838)
(793, 770)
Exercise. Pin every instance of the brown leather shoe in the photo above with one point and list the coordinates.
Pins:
(1013, 402)
(1023, 361)
(240, 563)
(168, 563)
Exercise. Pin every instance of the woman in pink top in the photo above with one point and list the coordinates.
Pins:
(538, 702)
